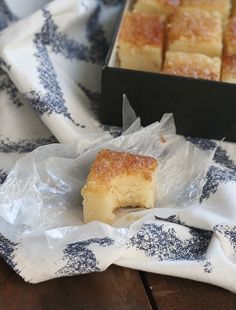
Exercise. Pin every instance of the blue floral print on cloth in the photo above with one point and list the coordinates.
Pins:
(51, 62)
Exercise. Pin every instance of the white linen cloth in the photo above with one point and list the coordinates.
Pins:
(51, 55)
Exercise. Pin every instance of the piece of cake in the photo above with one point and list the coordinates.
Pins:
(141, 42)
(118, 180)
(195, 31)
(230, 37)
(229, 69)
(193, 65)
(221, 6)
(165, 7)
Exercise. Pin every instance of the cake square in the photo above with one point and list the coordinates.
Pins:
(230, 37)
(118, 179)
(195, 31)
(193, 65)
(165, 7)
(229, 69)
(221, 6)
(141, 42)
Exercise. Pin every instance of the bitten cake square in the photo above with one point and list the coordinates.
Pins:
(230, 37)
(193, 65)
(165, 7)
(141, 42)
(195, 31)
(229, 69)
(221, 6)
(117, 180)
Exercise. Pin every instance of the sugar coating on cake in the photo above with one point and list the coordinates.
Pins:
(116, 180)
(141, 42)
(195, 31)
(229, 69)
(165, 7)
(221, 6)
(193, 65)
(230, 37)
(141, 29)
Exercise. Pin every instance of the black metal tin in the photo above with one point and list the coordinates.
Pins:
(201, 108)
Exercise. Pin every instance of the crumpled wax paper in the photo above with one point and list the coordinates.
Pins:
(43, 190)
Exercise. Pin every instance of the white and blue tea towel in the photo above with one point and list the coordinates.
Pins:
(51, 55)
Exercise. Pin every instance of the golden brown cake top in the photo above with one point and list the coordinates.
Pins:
(153, 7)
(222, 6)
(198, 3)
(171, 3)
(191, 65)
(190, 24)
(141, 29)
(229, 65)
(110, 164)
(230, 31)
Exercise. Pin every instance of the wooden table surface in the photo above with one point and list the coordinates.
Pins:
(116, 288)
